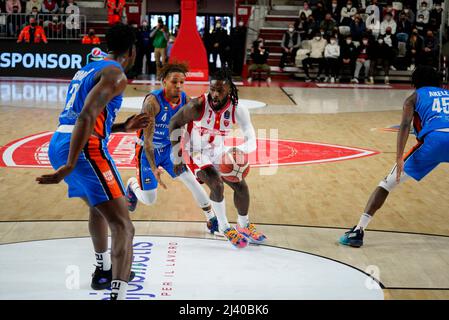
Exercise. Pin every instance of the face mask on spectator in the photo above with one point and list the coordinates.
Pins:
(420, 20)
(144, 24)
(348, 41)
(334, 5)
(406, 10)
(333, 41)
(365, 42)
(218, 25)
(241, 24)
(349, 6)
(290, 29)
(317, 38)
(380, 41)
(423, 7)
(438, 8)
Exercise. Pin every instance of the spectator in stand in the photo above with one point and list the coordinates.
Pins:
(14, 23)
(10, 4)
(259, 56)
(348, 54)
(319, 13)
(424, 11)
(420, 2)
(144, 47)
(389, 10)
(32, 33)
(238, 42)
(306, 9)
(437, 14)
(301, 25)
(388, 22)
(312, 27)
(358, 28)
(363, 59)
(332, 56)
(430, 50)
(33, 4)
(414, 50)
(160, 39)
(90, 38)
(347, 14)
(55, 27)
(403, 29)
(219, 41)
(33, 14)
(335, 11)
(392, 42)
(115, 11)
(373, 9)
(316, 56)
(421, 25)
(328, 25)
(380, 55)
(409, 14)
(50, 6)
(291, 41)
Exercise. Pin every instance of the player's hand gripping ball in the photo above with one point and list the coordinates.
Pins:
(234, 165)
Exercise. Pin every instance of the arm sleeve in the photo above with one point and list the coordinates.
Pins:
(243, 119)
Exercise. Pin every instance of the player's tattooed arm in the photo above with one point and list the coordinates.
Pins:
(404, 130)
(151, 108)
(112, 83)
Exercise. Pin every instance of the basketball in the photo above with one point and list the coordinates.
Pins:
(234, 165)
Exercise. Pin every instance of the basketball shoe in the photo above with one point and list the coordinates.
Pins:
(235, 238)
(102, 279)
(212, 227)
(353, 238)
(251, 233)
(131, 199)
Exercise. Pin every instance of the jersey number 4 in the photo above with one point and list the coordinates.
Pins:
(441, 105)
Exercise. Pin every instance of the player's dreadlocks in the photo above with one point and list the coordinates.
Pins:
(225, 75)
(426, 76)
(172, 67)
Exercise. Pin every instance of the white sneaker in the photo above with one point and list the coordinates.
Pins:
(326, 79)
(392, 68)
(411, 68)
(387, 80)
(250, 80)
(354, 80)
(268, 80)
(370, 81)
(332, 80)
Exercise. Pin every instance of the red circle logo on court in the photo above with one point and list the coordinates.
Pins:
(32, 152)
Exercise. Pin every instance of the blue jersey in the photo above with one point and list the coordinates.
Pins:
(80, 86)
(431, 110)
(161, 136)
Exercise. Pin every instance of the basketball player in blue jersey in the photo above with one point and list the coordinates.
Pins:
(153, 146)
(428, 109)
(78, 152)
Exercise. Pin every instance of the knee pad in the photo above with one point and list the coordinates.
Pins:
(389, 183)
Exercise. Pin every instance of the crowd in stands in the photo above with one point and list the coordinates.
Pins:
(33, 21)
(349, 36)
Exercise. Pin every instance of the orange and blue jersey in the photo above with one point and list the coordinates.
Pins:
(95, 176)
(161, 142)
(79, 88)
(431, 124)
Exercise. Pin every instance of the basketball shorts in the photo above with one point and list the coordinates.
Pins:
(425, 156)
(162, 158)
(95, 176)
(207, 157)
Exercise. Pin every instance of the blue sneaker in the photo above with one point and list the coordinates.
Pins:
(212, 227)
(131, 198)
(353, 238)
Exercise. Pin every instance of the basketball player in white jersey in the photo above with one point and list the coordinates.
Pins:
(209, 119)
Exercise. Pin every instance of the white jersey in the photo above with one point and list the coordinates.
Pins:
(211, 129)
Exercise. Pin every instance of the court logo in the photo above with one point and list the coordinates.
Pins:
(32, 151)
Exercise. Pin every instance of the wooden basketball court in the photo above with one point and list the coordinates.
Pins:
(301, 207)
